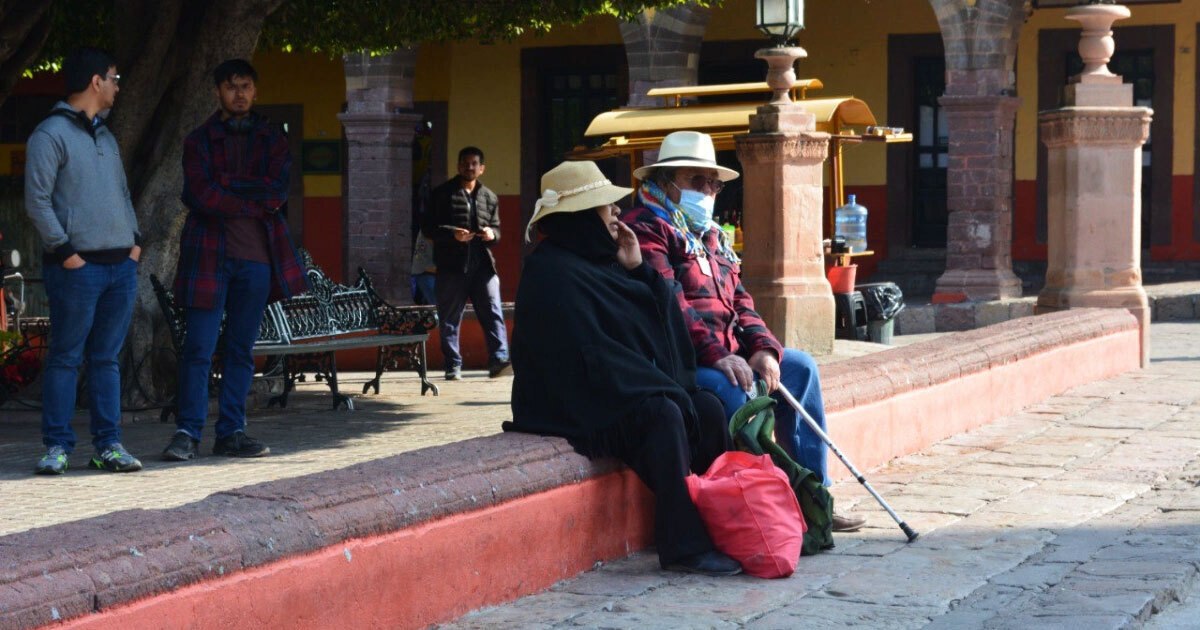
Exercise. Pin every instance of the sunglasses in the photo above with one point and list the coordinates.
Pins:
(697, 182)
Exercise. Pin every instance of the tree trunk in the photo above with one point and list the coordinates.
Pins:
(24, 25)
(166, 52)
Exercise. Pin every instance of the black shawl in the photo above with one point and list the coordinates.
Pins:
(591, 341)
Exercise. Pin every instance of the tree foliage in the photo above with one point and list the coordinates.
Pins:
(24, 26)
(381, 25)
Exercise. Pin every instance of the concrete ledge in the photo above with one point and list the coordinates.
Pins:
(1168, 302)
(426, 536)
(893, 403)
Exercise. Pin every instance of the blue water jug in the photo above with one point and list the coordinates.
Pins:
(850, 222)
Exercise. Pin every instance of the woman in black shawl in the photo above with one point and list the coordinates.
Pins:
(601, 357)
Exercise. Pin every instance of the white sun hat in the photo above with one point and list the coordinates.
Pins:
(687, 148)
(574, 186)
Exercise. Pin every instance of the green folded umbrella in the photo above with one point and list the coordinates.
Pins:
(753, 431)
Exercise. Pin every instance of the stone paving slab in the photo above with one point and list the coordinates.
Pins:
(1088, 517)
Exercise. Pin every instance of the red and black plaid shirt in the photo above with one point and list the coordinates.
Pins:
(213, 192)
(715, 306)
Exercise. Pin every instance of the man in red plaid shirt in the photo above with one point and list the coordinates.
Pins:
(235, 256)
(677, 236)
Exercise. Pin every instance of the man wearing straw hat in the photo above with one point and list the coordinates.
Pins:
(677, 236)
(630, 392)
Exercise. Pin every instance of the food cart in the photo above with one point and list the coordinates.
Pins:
(632, 130)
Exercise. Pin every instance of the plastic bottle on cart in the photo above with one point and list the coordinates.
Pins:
(850, 222)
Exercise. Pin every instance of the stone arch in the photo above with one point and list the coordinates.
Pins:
(980, 38)
(663, 48)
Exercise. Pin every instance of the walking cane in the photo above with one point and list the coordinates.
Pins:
(812, 424)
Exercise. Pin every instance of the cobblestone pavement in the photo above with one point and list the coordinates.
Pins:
(305, 438)
(1081, 512)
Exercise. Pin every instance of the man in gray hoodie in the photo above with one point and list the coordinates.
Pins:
(77, 198)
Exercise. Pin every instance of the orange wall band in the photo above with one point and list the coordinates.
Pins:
(418, 576)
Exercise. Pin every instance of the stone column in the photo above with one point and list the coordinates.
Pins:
(380, 125)
(663, 49)
(1094, 168)
(980, 38)
(979, 197)
(782, 162)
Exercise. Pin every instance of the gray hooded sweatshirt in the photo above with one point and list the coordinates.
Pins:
(75, 188)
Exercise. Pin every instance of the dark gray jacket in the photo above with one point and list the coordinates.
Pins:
(75, 188)
(450, 205)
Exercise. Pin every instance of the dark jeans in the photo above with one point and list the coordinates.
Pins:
(90, 308)
(242, 301)
(662, 449)
(482, 287)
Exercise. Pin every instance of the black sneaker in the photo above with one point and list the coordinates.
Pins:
(114, 458)
(240, 445)
(499, 368)
(454, 373)
(182, 448)
(712, 563)
(54, 462)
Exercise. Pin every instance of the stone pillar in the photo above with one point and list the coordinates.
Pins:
(1094, 168)
(663, 49)
(980, 38)
(379, 125)
(979, 197)
(782, 162)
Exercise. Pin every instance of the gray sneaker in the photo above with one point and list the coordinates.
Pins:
(182, 448)
(454, 373)
(54, 462)
(114, 458)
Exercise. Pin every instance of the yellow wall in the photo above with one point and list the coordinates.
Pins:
(1183, 15)
(846, 42)
(6, 153)
(485, 110)
(314, 80)
(847, 46)
(318, 82)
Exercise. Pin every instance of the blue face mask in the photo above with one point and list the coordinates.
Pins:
(698, 207)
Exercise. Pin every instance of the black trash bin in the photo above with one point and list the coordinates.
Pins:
(883, 300)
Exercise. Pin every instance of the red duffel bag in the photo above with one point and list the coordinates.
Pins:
(750, 511)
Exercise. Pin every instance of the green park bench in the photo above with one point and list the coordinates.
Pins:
(303, 334)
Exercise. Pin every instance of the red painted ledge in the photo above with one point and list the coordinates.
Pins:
(426, 536)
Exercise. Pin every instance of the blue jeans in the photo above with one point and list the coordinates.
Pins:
(482, 287)
(423, 289)
(242, 301)
(798, 373)
(90, 308)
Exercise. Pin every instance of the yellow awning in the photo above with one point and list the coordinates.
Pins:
(833, 114)
(672, 95)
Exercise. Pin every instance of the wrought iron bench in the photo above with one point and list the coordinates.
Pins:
(306, 331)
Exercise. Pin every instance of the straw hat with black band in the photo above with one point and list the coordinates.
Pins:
(571, 187)
(687, 148)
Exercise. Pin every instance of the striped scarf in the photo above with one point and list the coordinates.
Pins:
(691, 229)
